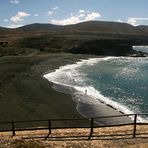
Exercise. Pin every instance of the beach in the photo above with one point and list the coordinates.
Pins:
(26, 95)
(66, 79)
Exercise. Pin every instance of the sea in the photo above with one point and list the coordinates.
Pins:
(121, 82)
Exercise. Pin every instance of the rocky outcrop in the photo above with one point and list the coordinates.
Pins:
(106, 48)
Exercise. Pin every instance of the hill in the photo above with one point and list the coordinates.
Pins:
(143, 29)
(39, 28)
(107, 27)
(93, 37)
(98, 26)
(91, 26)
(4, 30)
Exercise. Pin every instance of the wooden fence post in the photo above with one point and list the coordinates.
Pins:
(91, 128)
(13, 129)
(49, 129)
(135, 122)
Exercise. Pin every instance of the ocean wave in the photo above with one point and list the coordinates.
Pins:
(70, 76)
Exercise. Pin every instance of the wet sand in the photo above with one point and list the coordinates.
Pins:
(26, 95)
(89, 107)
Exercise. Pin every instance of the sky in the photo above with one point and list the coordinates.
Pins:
(16, 13)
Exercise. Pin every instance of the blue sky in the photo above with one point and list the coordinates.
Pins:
(14, 13)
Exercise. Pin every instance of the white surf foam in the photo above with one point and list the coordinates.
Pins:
(69, 76)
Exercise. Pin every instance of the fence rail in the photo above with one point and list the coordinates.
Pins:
(51, 124)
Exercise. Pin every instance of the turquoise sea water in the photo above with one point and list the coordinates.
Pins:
(123, 80)
(119, 81)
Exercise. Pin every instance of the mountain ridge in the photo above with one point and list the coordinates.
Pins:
(93, 37)
(89, 26)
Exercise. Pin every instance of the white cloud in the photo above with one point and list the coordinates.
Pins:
(14, 26)
(14, 1)
(92, 16)
(6, 20)
(19, 17)
(80, 16)
(52, 11)
(135, 21)
(81, 11)
(71, 20)
(139, 18)
(36, 15)
(119, 20)
(55, 8)
(132, 21)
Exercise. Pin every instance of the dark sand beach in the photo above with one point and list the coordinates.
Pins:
(26, 95)
(96, 109)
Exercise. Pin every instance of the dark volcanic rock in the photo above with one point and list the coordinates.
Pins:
(105, 47)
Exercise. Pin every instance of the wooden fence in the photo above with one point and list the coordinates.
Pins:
(52, 124)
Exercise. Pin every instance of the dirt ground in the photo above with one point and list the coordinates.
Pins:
(109, 137)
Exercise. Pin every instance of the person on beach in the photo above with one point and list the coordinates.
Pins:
(85, 91)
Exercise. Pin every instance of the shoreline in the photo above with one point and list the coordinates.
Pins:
(34, 97)
(89, 110)
(61, 70)
(26, 95)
